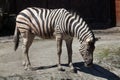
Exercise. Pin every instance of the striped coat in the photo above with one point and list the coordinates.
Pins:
(43, 22)
(46, 23)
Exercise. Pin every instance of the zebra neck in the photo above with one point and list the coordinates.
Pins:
(85, 35)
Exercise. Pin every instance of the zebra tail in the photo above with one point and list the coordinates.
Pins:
(16, 38)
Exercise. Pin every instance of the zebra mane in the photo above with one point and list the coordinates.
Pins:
(76, 13)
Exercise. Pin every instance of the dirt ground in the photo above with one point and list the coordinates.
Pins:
(44, 59)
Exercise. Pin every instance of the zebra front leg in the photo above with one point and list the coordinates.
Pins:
(59, 51)
(27, 41)
(69, 49)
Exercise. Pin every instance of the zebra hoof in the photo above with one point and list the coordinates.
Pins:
(72, 69)
(28, 68)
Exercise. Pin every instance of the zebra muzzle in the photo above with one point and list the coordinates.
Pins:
(88, 63)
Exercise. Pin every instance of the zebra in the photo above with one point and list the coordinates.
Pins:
(59, 23)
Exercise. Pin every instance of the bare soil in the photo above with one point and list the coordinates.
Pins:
(44, 59)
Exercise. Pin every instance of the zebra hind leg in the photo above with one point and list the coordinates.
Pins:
(69, 50)
(59, 51)
(27, 41)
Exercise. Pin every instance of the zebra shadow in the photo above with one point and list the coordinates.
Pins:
(95, 70)
(43, 67)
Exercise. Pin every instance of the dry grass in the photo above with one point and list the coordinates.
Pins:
(110, 56)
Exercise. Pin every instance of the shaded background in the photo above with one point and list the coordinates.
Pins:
(99, 14)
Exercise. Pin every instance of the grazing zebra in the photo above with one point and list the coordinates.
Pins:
(62, 24)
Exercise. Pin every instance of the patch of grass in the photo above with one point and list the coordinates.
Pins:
(104, 53)
(110, 56)
(117, 52)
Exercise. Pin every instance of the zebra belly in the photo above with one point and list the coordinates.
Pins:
(43, 34)
(46, 36)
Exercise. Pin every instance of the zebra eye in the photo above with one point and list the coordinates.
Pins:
(87, 49)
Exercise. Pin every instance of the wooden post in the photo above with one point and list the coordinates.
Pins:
(117, 2)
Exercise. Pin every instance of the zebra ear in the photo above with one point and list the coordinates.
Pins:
(89, 40)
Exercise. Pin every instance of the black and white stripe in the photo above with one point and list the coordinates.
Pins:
(42, 22)
(62, 24)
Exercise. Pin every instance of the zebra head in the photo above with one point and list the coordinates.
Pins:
(86, 50)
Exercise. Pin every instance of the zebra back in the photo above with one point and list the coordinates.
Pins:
(42, 22)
